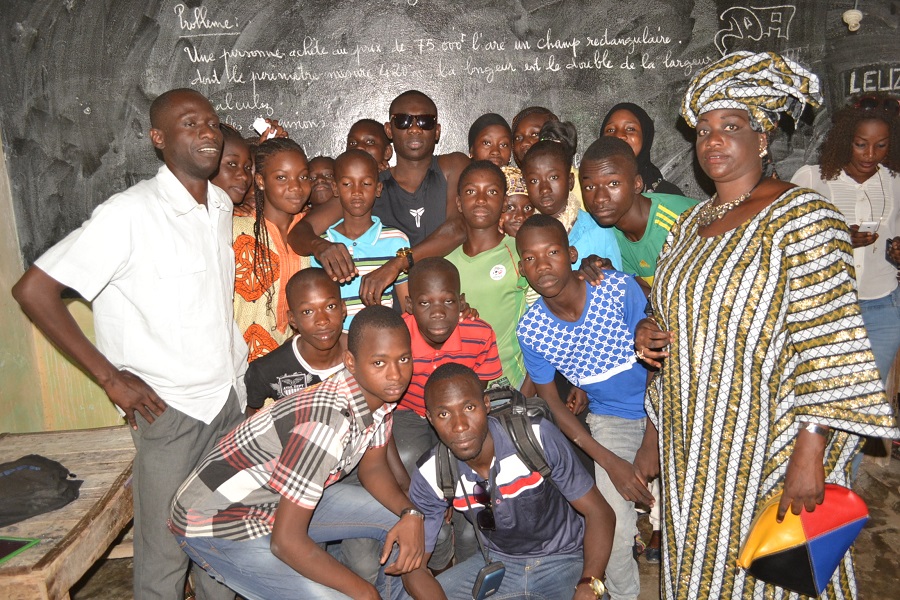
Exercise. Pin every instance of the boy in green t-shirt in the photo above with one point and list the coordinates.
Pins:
(489, 264)
(611, 187)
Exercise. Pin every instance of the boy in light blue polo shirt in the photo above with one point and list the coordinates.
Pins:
(370, 243)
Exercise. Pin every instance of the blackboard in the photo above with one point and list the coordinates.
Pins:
(79, 75)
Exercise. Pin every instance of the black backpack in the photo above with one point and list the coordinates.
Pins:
(34, 485)
(516, 414)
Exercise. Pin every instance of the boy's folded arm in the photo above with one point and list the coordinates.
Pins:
(372, 285)
(396, 465)
(305, 239)
(622, 473)
(441, 242)
(409, 532)
(292, 545)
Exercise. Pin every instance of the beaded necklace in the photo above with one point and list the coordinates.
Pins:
(710, 213)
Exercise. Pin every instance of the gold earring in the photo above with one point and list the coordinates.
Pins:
(763, 151)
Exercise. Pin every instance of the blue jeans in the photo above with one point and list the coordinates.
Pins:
(882, 319)
(541, 578)
(622, 437)
(249, 568)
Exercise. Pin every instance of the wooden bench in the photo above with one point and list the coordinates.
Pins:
(74, 537)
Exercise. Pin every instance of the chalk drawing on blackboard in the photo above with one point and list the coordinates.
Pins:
(754, 23)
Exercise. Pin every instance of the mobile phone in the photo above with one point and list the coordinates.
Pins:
(868, 227)
(488, 581)
(260, 125)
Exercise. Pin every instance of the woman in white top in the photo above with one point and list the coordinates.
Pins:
(858, 171)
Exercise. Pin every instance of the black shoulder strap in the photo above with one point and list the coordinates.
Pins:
(518, 425)
(528, 448)
(447, 471)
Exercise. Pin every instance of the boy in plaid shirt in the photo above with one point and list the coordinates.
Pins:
(252, 512)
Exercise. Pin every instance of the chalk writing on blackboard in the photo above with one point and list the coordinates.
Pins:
(78, 127)
(251, 78)
(197, 20)
(874, 79)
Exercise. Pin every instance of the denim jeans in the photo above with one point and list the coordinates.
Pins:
(250, 569)
(540, 578)
(622, 437)
(882, 319)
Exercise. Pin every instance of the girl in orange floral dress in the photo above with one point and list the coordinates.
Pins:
(264, 261)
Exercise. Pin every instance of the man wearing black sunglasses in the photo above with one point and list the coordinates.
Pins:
(418, 198)
(552, 535)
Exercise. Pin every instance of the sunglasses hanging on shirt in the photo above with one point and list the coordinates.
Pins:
(491, 574)
(484, 519)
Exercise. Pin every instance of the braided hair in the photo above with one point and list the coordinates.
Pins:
(563, 132)
(262, 256)
(556, 142)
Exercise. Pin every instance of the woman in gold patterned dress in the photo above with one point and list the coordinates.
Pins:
(767, 377)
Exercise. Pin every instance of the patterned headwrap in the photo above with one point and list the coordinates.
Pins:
(764, 84)
(515, 182)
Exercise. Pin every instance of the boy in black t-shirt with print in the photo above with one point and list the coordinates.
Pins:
(317, 314)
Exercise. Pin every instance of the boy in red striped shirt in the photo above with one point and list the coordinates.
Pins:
(439, 336)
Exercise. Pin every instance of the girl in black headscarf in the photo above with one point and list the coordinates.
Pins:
(632, 124)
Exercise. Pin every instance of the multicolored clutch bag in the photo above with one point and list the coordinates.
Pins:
(802, 552)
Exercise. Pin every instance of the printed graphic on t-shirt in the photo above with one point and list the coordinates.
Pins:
(293, 383)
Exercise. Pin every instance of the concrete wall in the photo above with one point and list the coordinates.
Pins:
(40, 389)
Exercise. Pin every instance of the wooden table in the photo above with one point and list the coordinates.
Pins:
(75, 536)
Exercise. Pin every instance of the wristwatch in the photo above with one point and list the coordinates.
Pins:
(407, 254)
(597, 585)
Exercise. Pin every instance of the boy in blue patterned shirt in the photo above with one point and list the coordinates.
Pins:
(586, 332)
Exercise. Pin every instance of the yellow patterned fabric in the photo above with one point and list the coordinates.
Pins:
(763, 84)
(767, 333)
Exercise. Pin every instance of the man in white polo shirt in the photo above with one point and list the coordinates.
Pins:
(157, 265)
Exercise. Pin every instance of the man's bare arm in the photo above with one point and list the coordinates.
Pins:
(39, 295)
(452, 166)
(441, 242)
